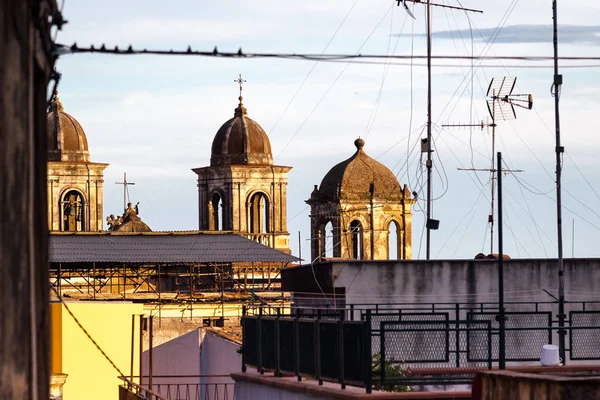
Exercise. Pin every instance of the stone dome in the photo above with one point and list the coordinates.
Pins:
(66, 138)
(241, 141)
(351, 180)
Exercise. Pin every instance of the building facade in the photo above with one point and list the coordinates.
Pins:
(242, 191)
(360, 211)
(74, 182)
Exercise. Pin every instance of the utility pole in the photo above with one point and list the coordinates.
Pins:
(559, 151)
(501, 315)
(429, 163)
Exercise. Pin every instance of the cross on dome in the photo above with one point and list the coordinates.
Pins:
(240, 81)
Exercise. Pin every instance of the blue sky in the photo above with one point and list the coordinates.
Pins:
(155, 117)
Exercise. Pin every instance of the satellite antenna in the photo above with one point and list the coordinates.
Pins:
(501, 104)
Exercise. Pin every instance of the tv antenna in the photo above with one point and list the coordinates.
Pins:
(426, 143)
(501, 103)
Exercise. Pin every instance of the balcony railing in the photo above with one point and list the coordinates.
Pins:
(403, 345)
(180, 387)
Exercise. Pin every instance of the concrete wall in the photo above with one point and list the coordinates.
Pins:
(25, 67)
(508, 385)
(198, 352)
(386, 284)
(90, 374)
(381, 282)
(251, 386)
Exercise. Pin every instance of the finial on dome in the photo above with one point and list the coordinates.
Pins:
(359, 143)
(56, 104)
(240, 111)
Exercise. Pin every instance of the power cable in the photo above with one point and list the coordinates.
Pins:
(330, 87)
(313, 67)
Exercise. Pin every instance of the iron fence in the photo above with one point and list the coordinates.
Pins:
(420, 351)
(327, 349)
(181, 387)
(395, 345)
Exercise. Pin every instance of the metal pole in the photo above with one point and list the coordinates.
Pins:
(493, 171)
(299, 246)
(150, 364)
(559, 150)
(141, 350)
(429, 161)
(501, 316)
(132, 345)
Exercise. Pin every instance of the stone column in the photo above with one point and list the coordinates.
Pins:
(57, 382)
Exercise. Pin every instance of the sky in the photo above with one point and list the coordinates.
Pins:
(154, 117)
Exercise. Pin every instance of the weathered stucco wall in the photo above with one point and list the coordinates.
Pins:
(381, 282)
(91, 376)
(461, 280)
(199, 352)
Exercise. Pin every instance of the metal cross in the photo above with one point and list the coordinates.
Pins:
(240, 82)
(125, 184)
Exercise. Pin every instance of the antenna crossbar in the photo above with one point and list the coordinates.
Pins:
(441, 5)
(490, 170)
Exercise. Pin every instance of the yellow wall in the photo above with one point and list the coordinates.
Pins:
(90, 375)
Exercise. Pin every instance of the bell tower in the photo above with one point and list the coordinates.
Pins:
(74, 182)
(361, 212)
(242, 191)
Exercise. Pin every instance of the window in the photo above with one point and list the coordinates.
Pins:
(394, 246)
(215, 213)
(258, 208)
(356, 232)
(329, 240)
(72, 208)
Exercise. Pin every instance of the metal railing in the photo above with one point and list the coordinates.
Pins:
(329, 349)
(183, 387)
(129, 388)
(395, 345)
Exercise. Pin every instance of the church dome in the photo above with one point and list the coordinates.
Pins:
(358, 176)
(66, 138)
(241, 141)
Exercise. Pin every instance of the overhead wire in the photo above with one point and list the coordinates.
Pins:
(313, 66)
(330, 87)
(385, 72)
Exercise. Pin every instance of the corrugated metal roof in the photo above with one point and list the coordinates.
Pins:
(185, 248)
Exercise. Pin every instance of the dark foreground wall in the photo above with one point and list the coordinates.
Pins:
(24, 72)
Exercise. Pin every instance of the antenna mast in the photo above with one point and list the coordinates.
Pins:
(559, 150)
(501, 104)
(426, 143)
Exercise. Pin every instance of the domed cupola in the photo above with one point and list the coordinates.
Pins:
(359, 178)
(241, 141)
(242, 191)
(360, 211)
(66, 138)
(75, 184)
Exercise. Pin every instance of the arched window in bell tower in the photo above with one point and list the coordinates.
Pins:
(72, 209)
(329, 240)
(356, 240)
(394, 241)
(258, 208)
(215, 213)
